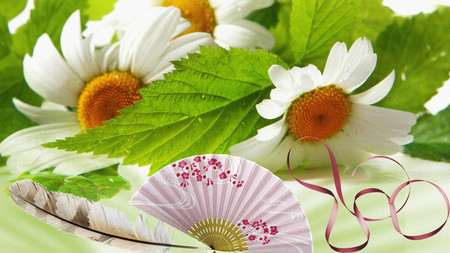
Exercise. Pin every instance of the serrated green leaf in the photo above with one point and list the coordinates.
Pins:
(431, 137)
(11, 8)
(95, 185)
(5, 37)
(205, 106)
(419, 51)
(48, 16)
(317, 24)
(267, 17)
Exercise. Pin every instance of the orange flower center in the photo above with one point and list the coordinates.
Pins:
(104, 96)
(320, 113)
(198, 12)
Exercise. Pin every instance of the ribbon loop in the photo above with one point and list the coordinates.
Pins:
(355, 212)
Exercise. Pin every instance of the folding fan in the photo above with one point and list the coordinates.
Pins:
(228, 203)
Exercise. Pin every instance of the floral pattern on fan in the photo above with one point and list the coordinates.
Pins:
(258, 230)
(201, 173)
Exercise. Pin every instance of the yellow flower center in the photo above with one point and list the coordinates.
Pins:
(198, 12)
(105, 95)
(320, 113)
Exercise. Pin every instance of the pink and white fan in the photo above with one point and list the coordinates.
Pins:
(228, 203)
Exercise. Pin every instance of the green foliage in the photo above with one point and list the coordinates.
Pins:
(317, 24)
(419, 51)
(95, 185)
(98, 8)
(11, 8)
(371, 19)
(431, 137)
(205, 106)
(267, 17)
(283, 47)
(5, 37)
(48, 16)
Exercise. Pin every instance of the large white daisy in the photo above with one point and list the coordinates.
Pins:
(224, 19)
(324, 106)
(86, 86)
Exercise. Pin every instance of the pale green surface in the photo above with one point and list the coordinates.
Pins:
(20, 232)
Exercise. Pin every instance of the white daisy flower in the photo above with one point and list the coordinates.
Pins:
(324, 106)
(224, 19)
(87, 86)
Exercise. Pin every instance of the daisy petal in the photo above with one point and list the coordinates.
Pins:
(49, 75)
(32, 137)
(377, 92)
(42, 116)
(305, 79)
(254, 149)
(270, 109)
(271, 131)
(277, 159)
(280, 77)
(231, 10)
(369, 141)
(390, 123)
(359, 74)
(177, 48)
(243, 34)
(35, 160)
(335, 63)
(83, 163)
(79, 54)
(145, 41)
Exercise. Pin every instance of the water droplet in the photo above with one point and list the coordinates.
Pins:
(200, 120)
(203, 96)
(403, 76)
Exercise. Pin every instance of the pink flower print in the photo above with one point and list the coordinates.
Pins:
(209, 182)
(255, 224)
(240, 183)
(219, 165)
(223, 175)
(185, 175)
(197, 159)
(182, 164)
(252, 237)
(266, 230)
(273, 230)
(245, 222)
(212, 161)
(197, 171)
(199, 177)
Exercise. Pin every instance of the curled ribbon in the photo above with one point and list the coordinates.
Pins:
(361, 219)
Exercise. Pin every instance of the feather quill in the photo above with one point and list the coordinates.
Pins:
(93, 221)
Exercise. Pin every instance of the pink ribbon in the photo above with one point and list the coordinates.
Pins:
(361, 219)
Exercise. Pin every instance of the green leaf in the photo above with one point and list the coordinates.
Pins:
(317, 24)
(98, 8)
(283, 47)
(372, 18)
(431, 137)
(419, 51)
(12, 84)
(11, 121)
(267, 17)
(205, 106)
(95, 185)
(5, 37)
(11, 8)
(48, 16)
